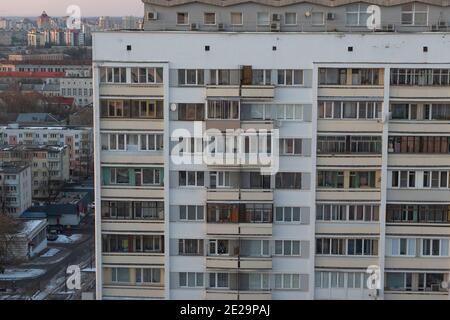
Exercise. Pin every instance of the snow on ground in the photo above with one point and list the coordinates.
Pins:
(21, 274)
(65, 239)
(50, 253)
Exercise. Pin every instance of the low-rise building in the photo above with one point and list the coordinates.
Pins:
(15, 188)
(78, 88)
(50, 166)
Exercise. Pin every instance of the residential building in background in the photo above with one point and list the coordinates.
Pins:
(361, 192)
(50, 166)
(15, 188)
(77, 139)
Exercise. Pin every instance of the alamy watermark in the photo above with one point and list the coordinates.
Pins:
(74, 19)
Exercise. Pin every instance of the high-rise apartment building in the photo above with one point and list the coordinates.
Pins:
(358, 118)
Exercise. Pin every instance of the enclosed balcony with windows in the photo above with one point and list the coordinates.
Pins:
(418, 285)
(223, 83)
(234, 286)
(424, 83)
(256, 84)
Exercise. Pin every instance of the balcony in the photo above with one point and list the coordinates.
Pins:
(223, 195)
(212, 294)
(422, 92)
(133, 292)
(132, 90)
(351, 91)
(136, 225)
(223, 91)
(258, 92)
(138, 258)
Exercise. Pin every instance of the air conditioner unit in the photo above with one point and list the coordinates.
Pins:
(194, 26)
(330, 16)
(275, 26)
(434, 27)
(442, 24)
(388, 28)
(152, 15)
(276, 17)
(221, 27)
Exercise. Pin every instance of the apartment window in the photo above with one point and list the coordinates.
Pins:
(191, 178)
(219, 247)
(147, 75)
(404, 111)
(191, 279)
(287, 247)
(190, 247)
(403, 179)
(290, 77)
(420, 77)
(115, 108)
(261, 77)
(331, 212)
(362, 247)
(113, 75)
(354, 280)
(317, 18)
(287, 281)
(256, 213)
(337, 279)
(362, 179)
(415, 14)
(289, 112)
(224, 77)
(365, 76)
(223, 109)
(219, 280)
(436, 112)
(263, 19)
(146, 210)
(435, 247)
(288, 215)
(332, 76)
(348, 144)
(191, 112)
(182, 18)
(254, 248)
(435, 179)
(416, 213)
(191, 77)
(288, 180)
(357, 14)
(366, 213)
(258, 181)
(114, 142)
(236, 18)
(419, 144)
(148, 176)
(148, 276)
(223, 213)
(119, 176)
(209, 18)
(220, 179)
(290, 18)
(328, 246)
(330, 179)
(401, 247)
(120, 275)
(151, 142)
(290, 147)
(192, 213)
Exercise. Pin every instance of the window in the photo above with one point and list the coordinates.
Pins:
(254, 248)
(192, 213)
(349, 110)
(288, 180)
(219, 247)
(337, 279)
(224, 77)
(419, 144)
(404, 111)
(115, 108)
(219, 280)
(317, 18)
(420, 77)
(182, 18)
(415, 14)
(363, 213)
(418, 213)
(190, 247)
(191, 279)
(288, 215)
(362, 179)
(151, 142)
(119, 176)
(223, 109)
(287, 281)
(148, 276)
(191, 77)
(191, 178)
(435, 247)
(348, 144)
(287, 248)
(120, 275)
(263, 19)
(236, 18)
(332, 76)
(150, 176)
(401, 247)
(147, 75)
(261, 77)
(112, 75)
(330, 179)
(290, 77)
(435, 179)
(191, 112)
(357, 14)
(290, 147)
(328, 246)
(209, 18)
(362, 247)
(290, 18)
(331, 212)
(403, 179)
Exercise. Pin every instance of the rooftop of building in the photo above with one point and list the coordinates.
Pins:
(48, 62)
(281, 3)
(10, 168)
(26, 147)
(36, 117)
(31, 74)
(16, 126)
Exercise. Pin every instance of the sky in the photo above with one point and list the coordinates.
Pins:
(33, 8)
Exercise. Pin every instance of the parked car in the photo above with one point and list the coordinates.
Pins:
(57, 228)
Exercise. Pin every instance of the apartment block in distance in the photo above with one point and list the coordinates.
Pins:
(15, 188)
(359, 205)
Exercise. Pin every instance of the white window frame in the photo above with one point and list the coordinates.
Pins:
(215, 242)
(285, 19)
(413, 12)
(196, 276)
(395, 244)
(285, 77)
(317, 13)
(359, 12)
(399, 179)
(280, 278)
(259, 21)
(288, 212)
(199, 213)
(284, 252)
(216, 280)
(152, 270)
(283, 147)
(187, 19)
(430, 179)
(442, 247)
(196, 182)
(209, 13)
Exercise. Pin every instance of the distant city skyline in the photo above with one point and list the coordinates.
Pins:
(89, 8)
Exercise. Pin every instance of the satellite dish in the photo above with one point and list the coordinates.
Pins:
(308, 13)
(173, 107)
